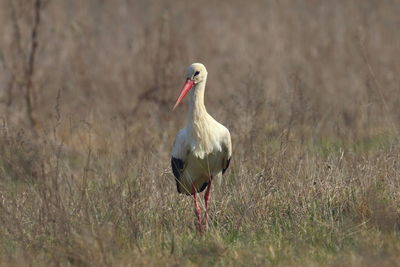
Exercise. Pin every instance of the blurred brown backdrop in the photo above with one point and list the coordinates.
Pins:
(324, 69)
(327, 67)
(309, 90)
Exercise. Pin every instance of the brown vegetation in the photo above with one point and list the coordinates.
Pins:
(308, 89)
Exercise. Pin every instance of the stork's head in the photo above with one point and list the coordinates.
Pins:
(195, 74)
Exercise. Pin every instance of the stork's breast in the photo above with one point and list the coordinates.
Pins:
(202, 150)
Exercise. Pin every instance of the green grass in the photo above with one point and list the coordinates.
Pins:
(308, 90)
(283, 213)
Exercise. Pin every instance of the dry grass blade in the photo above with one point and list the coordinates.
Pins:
(86, 91)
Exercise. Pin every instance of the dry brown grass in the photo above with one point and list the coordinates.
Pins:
(308, 89)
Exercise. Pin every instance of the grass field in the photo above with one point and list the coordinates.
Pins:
(310, 93)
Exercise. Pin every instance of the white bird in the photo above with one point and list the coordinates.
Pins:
(203, 149)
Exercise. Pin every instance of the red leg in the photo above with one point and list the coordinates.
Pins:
(197, 210)
(206, 198)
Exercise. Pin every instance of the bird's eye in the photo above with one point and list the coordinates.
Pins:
(196, 73)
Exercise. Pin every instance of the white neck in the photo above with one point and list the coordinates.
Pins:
(199, 124)
(197, 111)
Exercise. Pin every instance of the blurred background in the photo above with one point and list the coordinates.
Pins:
(308, 89)
(319, 68)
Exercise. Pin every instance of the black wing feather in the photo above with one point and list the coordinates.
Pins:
(177, 167)
(202, 187)
(227, 165)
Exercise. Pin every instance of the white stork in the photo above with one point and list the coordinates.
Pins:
(202, 150)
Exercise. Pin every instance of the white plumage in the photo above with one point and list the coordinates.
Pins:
(204, 146)
(202, 150)
(203, 159)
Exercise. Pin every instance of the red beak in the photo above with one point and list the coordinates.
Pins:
(186, 88)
